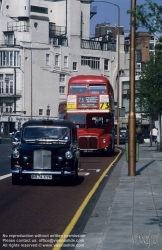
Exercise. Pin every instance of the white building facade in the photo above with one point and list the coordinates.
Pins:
(42, 44)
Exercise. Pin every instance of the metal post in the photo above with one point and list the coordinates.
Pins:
(118, 82)
(31, 98)
(48, 111)
(132, 119)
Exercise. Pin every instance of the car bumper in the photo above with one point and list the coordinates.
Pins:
(29, 172)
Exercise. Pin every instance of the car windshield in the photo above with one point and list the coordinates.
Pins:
(46, 133)
(78, 119)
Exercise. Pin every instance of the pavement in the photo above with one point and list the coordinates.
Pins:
(128, 214)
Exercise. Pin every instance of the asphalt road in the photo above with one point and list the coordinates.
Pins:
(42, 212)
(5, 153)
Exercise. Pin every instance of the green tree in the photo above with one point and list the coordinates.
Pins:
(149, 87)
(148, 15)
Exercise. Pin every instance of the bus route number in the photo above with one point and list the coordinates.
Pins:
(104, 105)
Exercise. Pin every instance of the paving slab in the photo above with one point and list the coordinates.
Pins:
(130, 218)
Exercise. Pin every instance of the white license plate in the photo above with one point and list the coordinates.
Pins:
(41, 177)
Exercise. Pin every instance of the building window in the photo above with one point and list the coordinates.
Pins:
(47, 59)
(62, 89)
(9, 107)
(40, 111)
(56, 60)
(9, 83)
(75, 66)
(6, 84)
(106, 64)
(92, 62)
(9, 58)
(65, 61)
(62, 78)
(38, 9)
(1, 84)
(9, 39)
(125, 95)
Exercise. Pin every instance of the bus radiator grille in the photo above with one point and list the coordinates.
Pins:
(88, 142)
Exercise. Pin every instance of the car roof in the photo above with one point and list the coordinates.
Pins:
(48, 122)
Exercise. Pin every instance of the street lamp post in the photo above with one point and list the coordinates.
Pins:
(31, 97)
(118, 87)
(132, 120)
(48, 111)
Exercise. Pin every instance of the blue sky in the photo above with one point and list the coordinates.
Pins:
(109, 13)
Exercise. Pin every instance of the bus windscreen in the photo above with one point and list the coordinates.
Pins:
(78, 89)
(97, 89)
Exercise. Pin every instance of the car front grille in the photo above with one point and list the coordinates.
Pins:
(42, 159)
(88, 142)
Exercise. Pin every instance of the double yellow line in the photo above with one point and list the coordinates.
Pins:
(78, 213)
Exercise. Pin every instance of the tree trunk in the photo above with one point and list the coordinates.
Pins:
(160, 131)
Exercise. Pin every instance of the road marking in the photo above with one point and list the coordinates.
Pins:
(97, 170)
(4, 176)
(83, 173)
(78, 213)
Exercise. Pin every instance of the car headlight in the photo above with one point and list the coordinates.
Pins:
(15, 153)
(68, 155)
(104, 140)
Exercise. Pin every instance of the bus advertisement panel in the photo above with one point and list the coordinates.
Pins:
(90, 105)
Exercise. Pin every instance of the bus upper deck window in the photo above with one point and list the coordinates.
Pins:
(97, 89)
(78, 89)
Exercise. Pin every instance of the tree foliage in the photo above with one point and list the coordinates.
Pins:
(149, 88)
(148, 15)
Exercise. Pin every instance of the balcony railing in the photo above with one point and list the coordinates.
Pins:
(17, 94)
(21, 26)
(56, 31)
(9, 43)
(98, 45)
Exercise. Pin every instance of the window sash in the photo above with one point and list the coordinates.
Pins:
(40, 111)
(9, 58)
(92, 62)
(62, 78)
(62, 90)
(56, 60)
(47, 59)
(74, 65)
(65, 61)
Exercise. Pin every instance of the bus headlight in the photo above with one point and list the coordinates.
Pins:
(15, 153)
(68, 155)
(104, 140)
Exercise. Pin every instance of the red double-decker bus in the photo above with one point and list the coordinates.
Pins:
(90, 105)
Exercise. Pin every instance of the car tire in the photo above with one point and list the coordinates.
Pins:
(15, 179)
(73, 178)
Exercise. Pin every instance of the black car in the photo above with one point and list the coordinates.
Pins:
(47, 148)
(123, 137)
